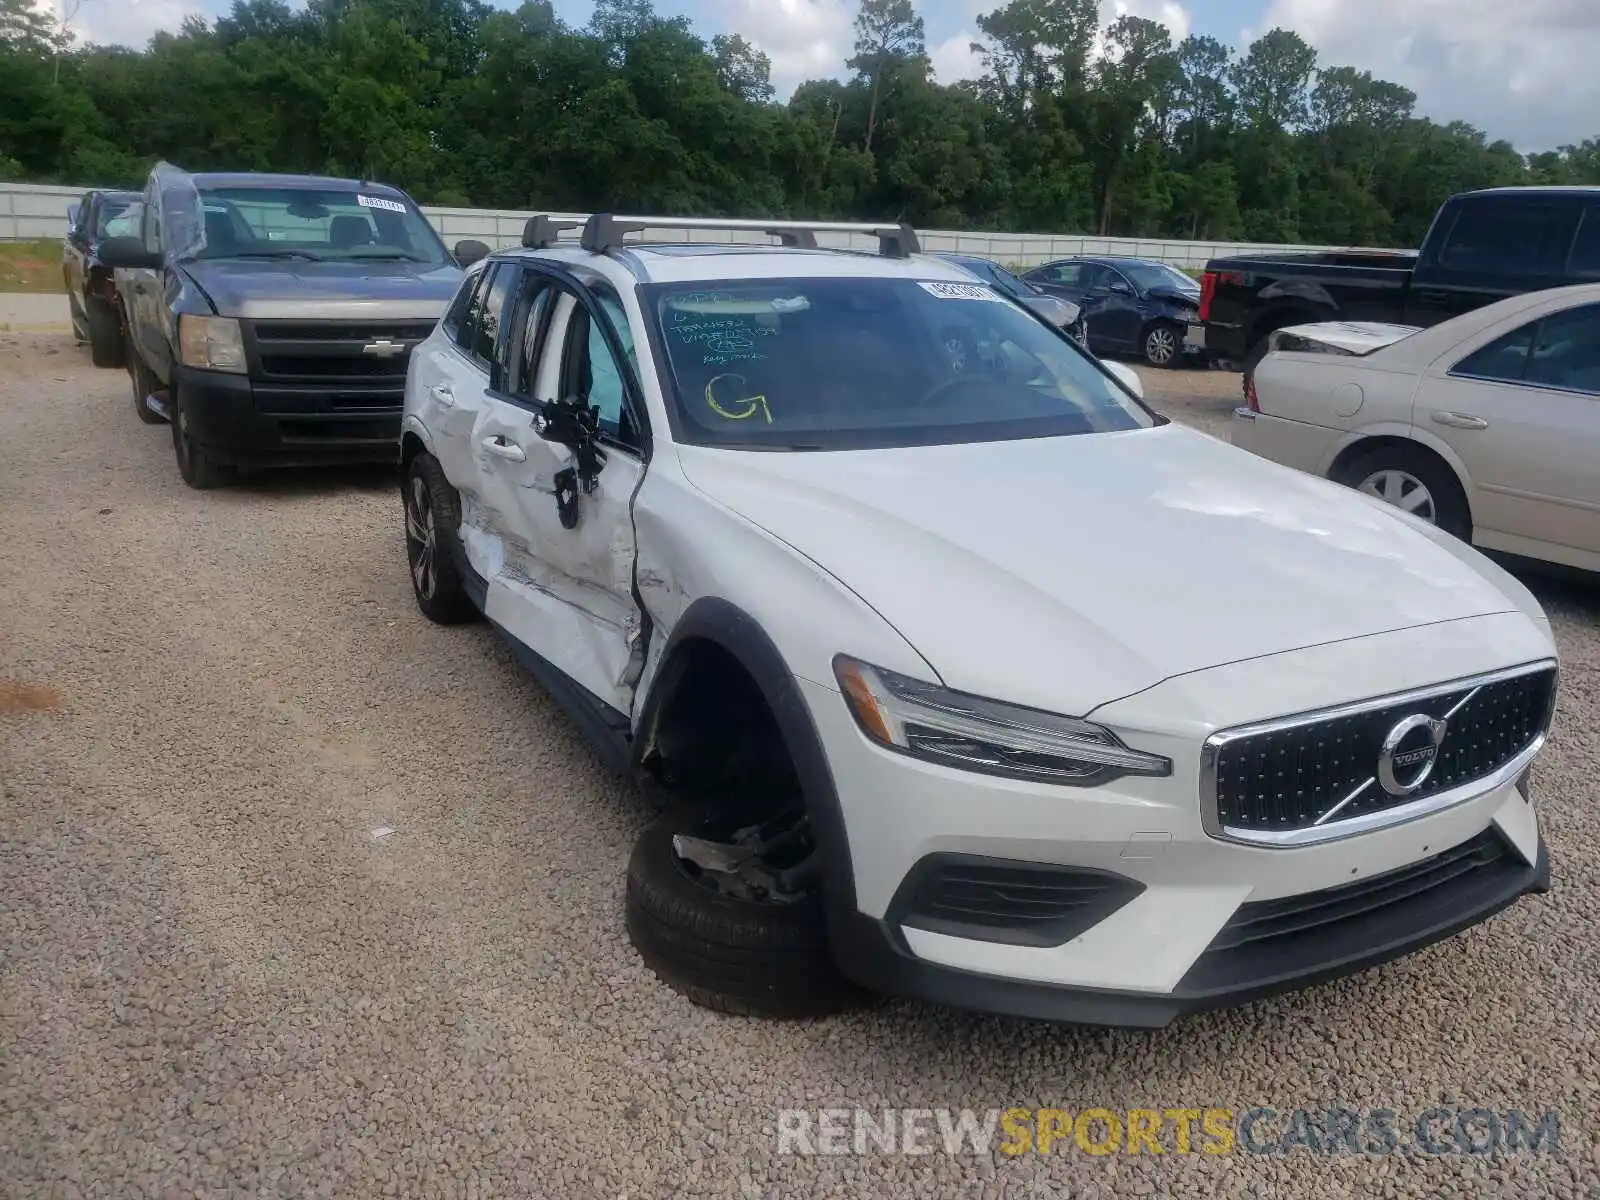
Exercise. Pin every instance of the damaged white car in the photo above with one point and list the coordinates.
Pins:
(965, 674)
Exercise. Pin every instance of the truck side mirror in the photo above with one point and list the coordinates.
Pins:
(470, 250)
(129, 253)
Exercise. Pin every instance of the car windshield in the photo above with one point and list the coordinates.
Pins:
(302, 223)
(823, 364)
(1149, 275)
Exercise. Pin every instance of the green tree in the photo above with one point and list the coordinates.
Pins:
(889, 40)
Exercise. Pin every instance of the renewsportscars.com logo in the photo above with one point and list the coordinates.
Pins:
(1209, 1131)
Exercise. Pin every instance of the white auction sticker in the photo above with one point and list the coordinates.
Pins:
(380, 202)
(962, 291)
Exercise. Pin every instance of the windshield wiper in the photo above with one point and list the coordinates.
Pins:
(274, 254)
(385, 255)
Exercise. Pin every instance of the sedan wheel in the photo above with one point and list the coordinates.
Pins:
(1403, 490)
(1161, 345)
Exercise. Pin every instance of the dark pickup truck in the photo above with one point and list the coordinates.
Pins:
(271, 318)
(1482, 246)
(91, 288)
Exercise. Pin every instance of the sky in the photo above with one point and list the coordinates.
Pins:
(1520, 69)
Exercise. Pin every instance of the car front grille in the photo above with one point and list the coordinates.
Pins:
(1323, 769)
(301, 366)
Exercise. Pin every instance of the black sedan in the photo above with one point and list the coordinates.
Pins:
(91, 288)
(1068, 317)
(1132, 305)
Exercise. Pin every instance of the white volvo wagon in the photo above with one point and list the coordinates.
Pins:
(964, 674)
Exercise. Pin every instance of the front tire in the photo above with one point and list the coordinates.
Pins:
(105, 333)
(196, 465)
(730, 953)
(433, 517)
(1413, 480)
(1162, 345)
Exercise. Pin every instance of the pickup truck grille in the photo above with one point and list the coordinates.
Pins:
(330, 366)
(1291, 775)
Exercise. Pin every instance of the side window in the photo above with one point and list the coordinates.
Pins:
(1505, 358)
(1509, 236)
(592, 370)
(1584, 261)
(455, 317)
(483, 319)
(522, 350)
(1071, 274)
(1566, 352)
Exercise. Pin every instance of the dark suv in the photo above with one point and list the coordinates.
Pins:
(271, 317)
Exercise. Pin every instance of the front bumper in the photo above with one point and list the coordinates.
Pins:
(225, 418)
(877, 954)
(1154, 951)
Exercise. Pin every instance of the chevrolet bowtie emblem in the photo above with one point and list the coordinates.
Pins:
(383, 348)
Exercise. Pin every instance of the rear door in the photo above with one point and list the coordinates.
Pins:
(1494, 245)
(1523, 414)
(143, 292)
(451, 378)
(565, 590)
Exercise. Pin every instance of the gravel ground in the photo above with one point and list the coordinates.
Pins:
(215, 979)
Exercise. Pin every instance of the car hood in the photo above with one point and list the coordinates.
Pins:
(325, 290)
(1064, 573)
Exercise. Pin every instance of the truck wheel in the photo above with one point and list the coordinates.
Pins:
(199, 469)
(1163, 344)
(715, 939)
(433, 516)
(105, 333)
(1413, 480)
(143, 384)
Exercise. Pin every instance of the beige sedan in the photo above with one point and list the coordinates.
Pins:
(1487, 425)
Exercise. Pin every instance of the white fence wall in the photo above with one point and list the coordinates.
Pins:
(29, 211)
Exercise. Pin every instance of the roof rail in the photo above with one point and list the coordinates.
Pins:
(541, 232)
(604, 231)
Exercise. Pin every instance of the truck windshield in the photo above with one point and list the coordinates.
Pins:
(325, 226)
(850, 363)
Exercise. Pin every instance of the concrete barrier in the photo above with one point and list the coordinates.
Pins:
(29, 211)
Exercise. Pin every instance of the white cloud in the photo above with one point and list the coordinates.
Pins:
(954, 59)
(121, 22)
(805, 39)
(1523, 71)
(1174, 16)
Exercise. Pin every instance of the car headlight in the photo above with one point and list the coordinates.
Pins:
(213, 343)
(956, 730)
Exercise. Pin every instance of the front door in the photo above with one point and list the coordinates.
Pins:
(1115, 318)
(564, 587)
(1523, 415)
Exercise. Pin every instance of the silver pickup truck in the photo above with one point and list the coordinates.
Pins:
(270, 318)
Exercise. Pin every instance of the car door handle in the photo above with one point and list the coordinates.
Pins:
(442, 393)
(1458, 420)
(502, 447)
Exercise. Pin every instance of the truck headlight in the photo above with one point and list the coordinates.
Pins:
(956, 730)
(213, 343)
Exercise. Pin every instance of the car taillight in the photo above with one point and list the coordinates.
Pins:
(1208, 289)
(1250, 400)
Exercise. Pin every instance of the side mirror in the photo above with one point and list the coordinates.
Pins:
(1120, 288)
(470, 251)
(1126, 376)
(129, 253)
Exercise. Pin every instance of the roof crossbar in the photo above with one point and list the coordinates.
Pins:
(542, 232)
(605, 231)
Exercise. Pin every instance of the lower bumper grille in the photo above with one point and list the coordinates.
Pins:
(1328, 768)
(996, 900)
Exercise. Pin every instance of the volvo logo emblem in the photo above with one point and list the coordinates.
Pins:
(1410, 752)
(383, 348)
